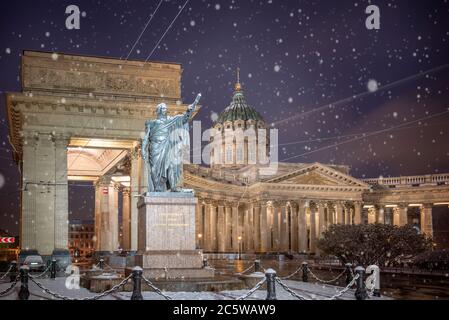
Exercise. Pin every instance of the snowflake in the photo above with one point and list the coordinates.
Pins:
(372, 85)
(277, 68)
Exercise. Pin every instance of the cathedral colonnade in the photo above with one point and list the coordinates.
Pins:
(290, 226)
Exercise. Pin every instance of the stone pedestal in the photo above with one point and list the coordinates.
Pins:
(166, 237)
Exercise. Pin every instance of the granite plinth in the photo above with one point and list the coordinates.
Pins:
(166, 237)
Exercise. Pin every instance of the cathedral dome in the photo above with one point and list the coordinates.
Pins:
(238, 109)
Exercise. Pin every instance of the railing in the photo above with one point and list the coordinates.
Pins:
(365, 288)
(410, 180)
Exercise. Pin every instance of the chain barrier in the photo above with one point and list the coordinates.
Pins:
(291, 275)
(99, 296)
(249, 268)
(6, 291)
(254, 289)
(6, 273)
(327, 281)
(43, 273)
(286, 288)
(156, 289)
(342, 292)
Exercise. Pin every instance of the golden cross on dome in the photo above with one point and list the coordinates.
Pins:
(238, 86)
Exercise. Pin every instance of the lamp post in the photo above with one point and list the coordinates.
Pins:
(240, 241)
(200, 236)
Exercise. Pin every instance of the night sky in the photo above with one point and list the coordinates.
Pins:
(311, 68)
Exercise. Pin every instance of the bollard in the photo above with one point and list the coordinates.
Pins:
(13, 271)
(101, 266)
(137, 288)
(257, 267)
(24, 293)
(360, 293)
(53, 269)
(348, 273)
(270, 274)
(305, 271)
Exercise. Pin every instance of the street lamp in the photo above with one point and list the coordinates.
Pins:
(200, 236)
(240, 241)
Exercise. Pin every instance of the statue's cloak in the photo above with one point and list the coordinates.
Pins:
(166, 152)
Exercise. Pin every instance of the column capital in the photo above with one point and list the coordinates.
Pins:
(427, 205)
(103, 181)
(126, 191)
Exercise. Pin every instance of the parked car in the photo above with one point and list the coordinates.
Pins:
(35, 263)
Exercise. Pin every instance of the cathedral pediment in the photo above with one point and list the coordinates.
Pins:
(317, 174)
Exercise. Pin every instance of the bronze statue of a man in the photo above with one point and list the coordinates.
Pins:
(162, 148)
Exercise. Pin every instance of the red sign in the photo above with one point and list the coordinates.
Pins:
(7, 240)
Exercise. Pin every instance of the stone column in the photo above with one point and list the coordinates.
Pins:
(347, 212)
(228, 228)
(403, 216)
(321, 219)
(294, 226)
(256, 227)
(276, 231)
(396, 216)
(29, 193)
(235, 227)
(340, 213)
(126, 218)
(97, 222)
(372, 215)
(357, 212)
(61, 194)
(105, 231)
(284, 228)
(313, 228)
(136, 172)
(45, 198)
(329, 207)
(380, 209)
(264, 228)
(113, 216)
(302, 227)
(213, 227)
(426, 219)
(207, 226)
(199, 224)
(221, 228)
(250, 235)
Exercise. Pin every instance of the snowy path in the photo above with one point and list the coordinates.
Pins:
(308, 290)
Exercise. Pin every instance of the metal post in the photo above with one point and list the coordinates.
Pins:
(305, 271)
(137, 288)
(257, 267)
(53, 269)
(13, 271)
(24, 293)
(101, 266)
(348, 273)
(270, 274)
(360, 293)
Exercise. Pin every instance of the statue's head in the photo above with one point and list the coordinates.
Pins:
(161, 110)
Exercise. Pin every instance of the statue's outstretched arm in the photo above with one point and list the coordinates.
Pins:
(191, 108)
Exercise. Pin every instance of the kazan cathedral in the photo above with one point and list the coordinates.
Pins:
(79, 119)
(241, 208)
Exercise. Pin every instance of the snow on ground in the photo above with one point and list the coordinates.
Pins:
(308, 290)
